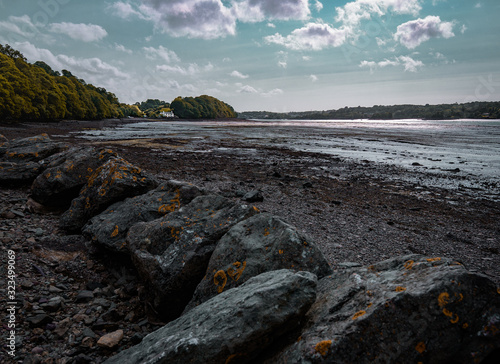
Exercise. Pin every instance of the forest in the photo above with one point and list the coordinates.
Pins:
(472, 110)
(35, 92)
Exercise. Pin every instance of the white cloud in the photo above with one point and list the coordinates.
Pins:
(20, 29)
(84, 32)
(318, 5)
(409, 64)
(191, 70)
(259, 10)
(122, 48)
(411, 34)
(312, 36)
(238, 74)
(274, 92)
(161, 53)
(313, 78)
(247, 90)
(125, 10)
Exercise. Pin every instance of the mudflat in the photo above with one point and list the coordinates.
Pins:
(357, 211)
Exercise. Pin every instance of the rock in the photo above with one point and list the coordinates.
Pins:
(39, 320)
(54, 304)
(32, 149)
(15, 174)
(259, 244)
(111, 340)
(110, 227)
(4, 145)
(114, 181)
(84, 296)
(404, 310)
(236, 325)
(253, 196)
(65, 175)
(172, 253)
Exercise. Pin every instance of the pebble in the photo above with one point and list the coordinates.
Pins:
(110, 340)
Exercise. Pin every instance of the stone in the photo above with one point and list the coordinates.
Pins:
(259, 244)
(32, 149)
(403, 310)
(4, 145)
(110, 228)
(253, 196)
(235, 326)
(84, 296)
(171, 254)
(15, 174)
(111, 340)
(114, 181)
(65, 175)
(39, 320)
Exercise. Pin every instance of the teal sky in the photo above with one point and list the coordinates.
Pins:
(275, 55)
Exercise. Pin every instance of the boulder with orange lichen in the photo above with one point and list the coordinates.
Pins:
(110, 228)
(66, 174)
(172, 253)
(113, 181)
(31, 149)
(259, 244)
(404, 310)
(233, 327)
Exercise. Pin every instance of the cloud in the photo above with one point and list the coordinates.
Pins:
(206, 19)
(238, 74)
(161, 53)
(313, 36)
(318, 5)
(125, 10)
(92, 70)
(411, 34)
(247, 90)
(121, 48)
(259, 10)
(20, 29)
(274, 92)
(191, 70)
(84, 32)
(409, 64)
(313, 78)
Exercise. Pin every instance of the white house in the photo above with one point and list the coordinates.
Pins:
(166, 113)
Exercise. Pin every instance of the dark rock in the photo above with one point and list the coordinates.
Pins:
(32, 149)
(416, 164)
(172, 253)
(307, 185)
(236, 325)
(65, 176)
(254, 196)
(259, 244)
(15, 174)
(404, 310)
(110, 227)
(114, 181)
(39, 320)
(4, 145)
(84, 296)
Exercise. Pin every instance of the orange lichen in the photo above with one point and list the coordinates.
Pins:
(443, 299)
(420, 347)
(102, 192)
(431, 260)
(115, 232)
(280, 251)
(454, 320)
(220, 280)
(256, 209)
(236, 274)
(400, 289)
(359, 314)
(464, 326)
(323, 347)
(447, 312)
(266, 232)
(409, 264)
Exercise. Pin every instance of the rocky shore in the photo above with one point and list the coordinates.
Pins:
(82, 301)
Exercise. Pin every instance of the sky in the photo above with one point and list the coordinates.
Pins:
(272, 55)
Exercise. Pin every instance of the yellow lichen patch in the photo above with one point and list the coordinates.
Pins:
(323, 347)
(70, 167)
(115, 232)
(447, 312)
(87, 203)
(498, 290)
(464, 326)
(359, 314)
(220, 280)
(266, 232)
(58, 175)
(235, 274)
(409, 264)
(454, 320)
(370, 305)
(280, 251)
(400, 289)
(443, 299)
(420, 347)
(256, 209)
(431, 260)
(102, 192)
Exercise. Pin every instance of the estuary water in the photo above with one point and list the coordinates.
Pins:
(467, 150)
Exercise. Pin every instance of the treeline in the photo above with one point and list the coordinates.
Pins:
(202, 107)
(36, 92)
(152, 107)
(472, 110)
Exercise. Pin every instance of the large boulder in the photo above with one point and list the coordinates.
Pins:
(404, 310)
(32, 149)
(4, 145)
(16, 174)
(233, 327)
(259, 244)
(110, 228)
(113, 181)
(66, 174)
(172, 253)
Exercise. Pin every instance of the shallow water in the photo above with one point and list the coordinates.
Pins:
(457, 154)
